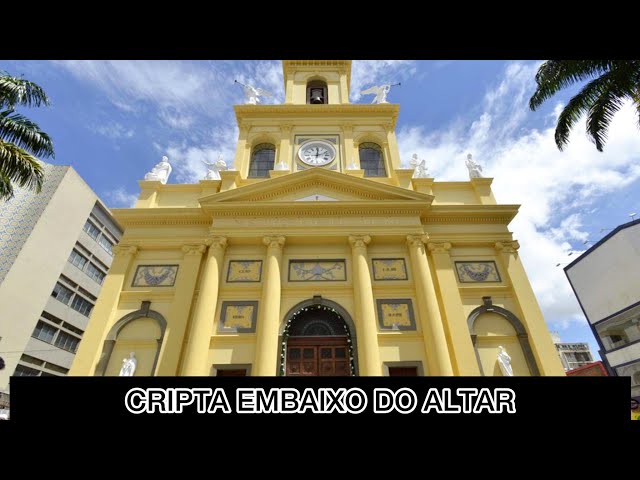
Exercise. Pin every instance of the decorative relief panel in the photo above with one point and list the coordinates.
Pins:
(317, 271)
(238, 317)
(395, 314)
(477, 271)
(244, 271)
(389, 269)
(155, 276)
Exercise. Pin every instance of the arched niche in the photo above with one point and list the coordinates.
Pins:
(142, 332)
(490, 327)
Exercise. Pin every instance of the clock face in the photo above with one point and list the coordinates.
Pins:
(317, 153)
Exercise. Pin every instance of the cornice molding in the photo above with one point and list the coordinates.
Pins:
(388, 110)
(367, 189)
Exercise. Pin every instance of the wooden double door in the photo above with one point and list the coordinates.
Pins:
(318, 357)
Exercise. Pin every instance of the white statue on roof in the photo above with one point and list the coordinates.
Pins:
(214, 168)
(380, 92)
(252, 95)
(473, 167)
(160, 172)
(419, 167)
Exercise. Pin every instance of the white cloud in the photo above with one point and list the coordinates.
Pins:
(553, 187)
(113, 130)
(179, 90)
(366, 73)
(120, 198)
(186, 159)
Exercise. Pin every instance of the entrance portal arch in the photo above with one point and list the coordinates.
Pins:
(318, 338)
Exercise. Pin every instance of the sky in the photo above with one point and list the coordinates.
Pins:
(113, 120)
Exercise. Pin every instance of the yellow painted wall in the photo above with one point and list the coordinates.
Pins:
(428, 224)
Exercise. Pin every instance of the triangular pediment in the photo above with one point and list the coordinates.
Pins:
(317, 185)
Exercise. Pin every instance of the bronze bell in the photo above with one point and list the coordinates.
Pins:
(316, 96)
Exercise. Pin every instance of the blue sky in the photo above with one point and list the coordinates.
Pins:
(113, 120)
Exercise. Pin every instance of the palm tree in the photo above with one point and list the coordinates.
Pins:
(21, 140)
(611, 82)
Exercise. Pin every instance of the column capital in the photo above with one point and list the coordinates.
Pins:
(443, 247)
(417, 241)
(274, 241)
(193, 250)
(244, 127)
(507, 247)
(347, 128)
(285, 128)
(216, 242)
(359, 241)
(121, 249)
(389, 127)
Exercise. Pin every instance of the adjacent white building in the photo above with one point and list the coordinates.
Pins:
(606, 280)
(55, 250)
(572, 354)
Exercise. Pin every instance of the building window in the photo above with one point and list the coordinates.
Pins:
(81, 305)
(263, 157)
(106, 244)
(55, 368)
(317, 93)
(91, 230)
(76, 259)
(22, 371)
(372, 160)
(44, 332)
(61, 293)
(583, 357)
(93, 272)
(618, 331)
(29, 359)
(51, 318)
(71, 328)
(67, 342)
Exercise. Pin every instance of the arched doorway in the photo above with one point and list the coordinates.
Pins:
(318, 339)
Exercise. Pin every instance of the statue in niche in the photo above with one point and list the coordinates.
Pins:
(504, 360)
(419, 167)
(160, 172)
(213, 168)
(129, 366)
(473, 167)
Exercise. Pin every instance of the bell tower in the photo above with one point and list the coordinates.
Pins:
(317, 127)
(316, 82)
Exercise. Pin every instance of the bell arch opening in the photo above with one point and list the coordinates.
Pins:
(318, 339)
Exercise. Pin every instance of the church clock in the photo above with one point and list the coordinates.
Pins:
(317, 153)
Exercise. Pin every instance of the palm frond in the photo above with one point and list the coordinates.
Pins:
(576, 108)
(602, 112)
(554, 75)
(18, 91)
(600, 99)
(6, 190)
(18, 129)
(20, 167)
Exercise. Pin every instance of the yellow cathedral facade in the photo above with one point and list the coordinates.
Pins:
(317, 255)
